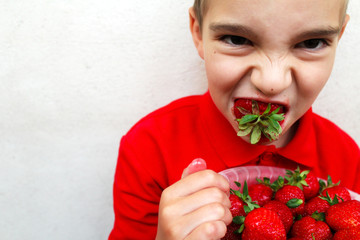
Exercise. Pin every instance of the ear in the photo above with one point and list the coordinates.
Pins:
(346, 20)
(196, 32)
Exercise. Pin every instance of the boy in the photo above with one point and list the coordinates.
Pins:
(263, 58)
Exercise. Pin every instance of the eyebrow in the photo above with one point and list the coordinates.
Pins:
(320, 32)
(245, 31)
(232, 28)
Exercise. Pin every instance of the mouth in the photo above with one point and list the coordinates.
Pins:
(260, 120)
(244, 106)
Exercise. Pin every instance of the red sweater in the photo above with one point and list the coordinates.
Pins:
(155, 151)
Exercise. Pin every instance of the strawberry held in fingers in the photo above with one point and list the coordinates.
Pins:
(258, 119)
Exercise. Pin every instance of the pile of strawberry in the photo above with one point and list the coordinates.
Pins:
(296, 206)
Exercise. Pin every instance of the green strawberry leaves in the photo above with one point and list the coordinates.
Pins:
(244, 196)
(256, 124)
(248, 206)
(297, 177)
(331, 201)
(328, 184)
(294, 203)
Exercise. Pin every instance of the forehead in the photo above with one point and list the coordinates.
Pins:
(273, 13)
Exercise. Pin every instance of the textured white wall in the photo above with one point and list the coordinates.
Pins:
(75, 75)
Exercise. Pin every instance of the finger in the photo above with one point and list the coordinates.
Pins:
(198, 181)
(209, 213)
(208, 231)
(185, 205)
(196, 165)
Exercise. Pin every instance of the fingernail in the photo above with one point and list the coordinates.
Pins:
(198, 162)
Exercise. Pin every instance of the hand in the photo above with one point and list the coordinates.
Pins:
(195, 207)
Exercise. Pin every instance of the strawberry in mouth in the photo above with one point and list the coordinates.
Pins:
(258, 119)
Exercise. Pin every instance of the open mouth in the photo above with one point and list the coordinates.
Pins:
(243, 107)
(259, 120)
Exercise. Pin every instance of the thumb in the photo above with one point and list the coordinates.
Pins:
(196, 165)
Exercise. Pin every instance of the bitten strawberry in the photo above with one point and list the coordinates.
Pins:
(348, 234)
(283, 211)
(343, 215)
(263, 224)
(293, 197)
(308, 228)
(255, 122)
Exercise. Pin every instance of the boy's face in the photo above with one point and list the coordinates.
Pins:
(274, 51)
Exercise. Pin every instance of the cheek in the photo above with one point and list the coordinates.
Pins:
(223, 72)
(312, 78)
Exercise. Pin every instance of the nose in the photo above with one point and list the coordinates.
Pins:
(271, 77)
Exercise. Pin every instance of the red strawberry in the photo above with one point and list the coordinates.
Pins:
(263, 224)
(293, 197)
(316, 204)
(342, 193)
(258, 119)
(231, 232)
(283, 211)
(313, 186)
(237, 206)
(334, 189)
(242, 107)
(348, 234)
(319, 204)
(344, 215)
(305, 180)
(308, 228)
(260, 193)
(246, 106)
(241, 203)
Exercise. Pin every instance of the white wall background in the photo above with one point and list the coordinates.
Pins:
(75, 76)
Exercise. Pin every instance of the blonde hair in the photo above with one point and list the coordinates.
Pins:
(200, 10)
(200, 7)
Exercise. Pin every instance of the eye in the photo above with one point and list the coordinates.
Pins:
(235, 40)
(312, 44)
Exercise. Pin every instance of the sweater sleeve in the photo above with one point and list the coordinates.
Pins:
(136, 197)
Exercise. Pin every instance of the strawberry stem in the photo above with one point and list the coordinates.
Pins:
(256, 124)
